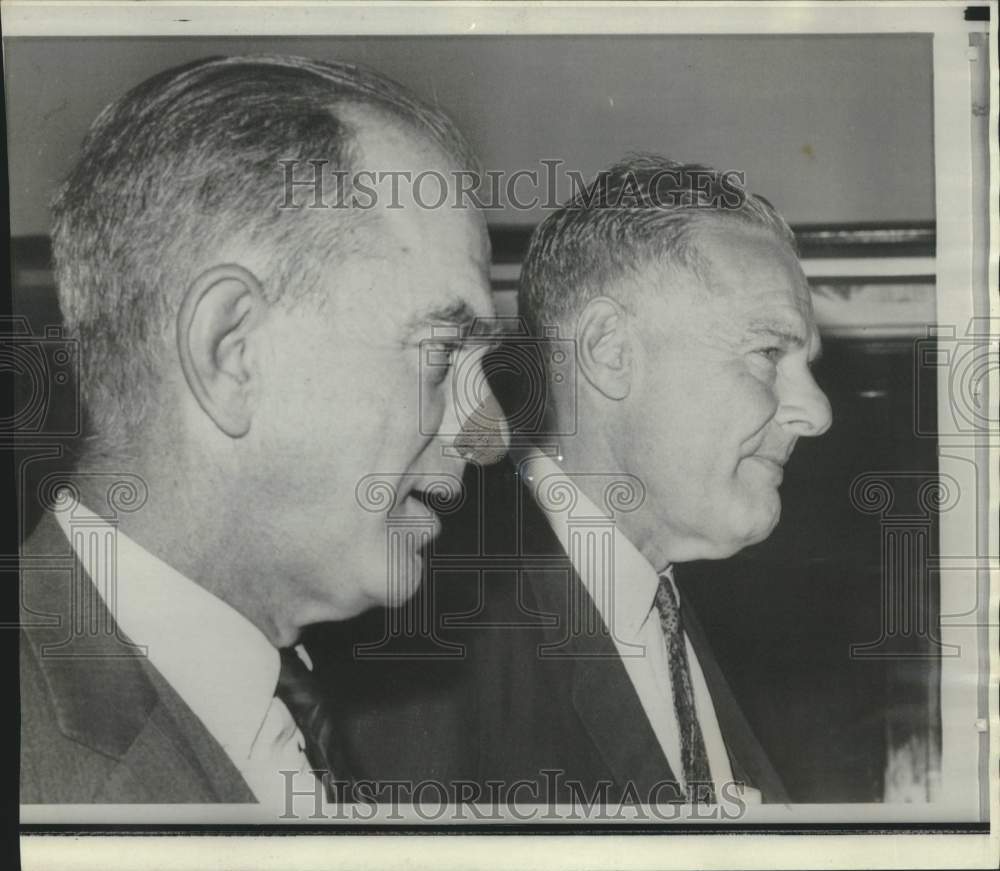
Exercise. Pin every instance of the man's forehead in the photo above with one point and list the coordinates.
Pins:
(414, 184)
(437, 253)
(783, 310)
(414, 224)
(750, 268)
(734, 254)
(741, 283)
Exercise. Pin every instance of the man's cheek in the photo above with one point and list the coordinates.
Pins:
(433, 405)
(764, 405)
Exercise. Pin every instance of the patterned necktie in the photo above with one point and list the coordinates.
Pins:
(694, 758)
(307, 704)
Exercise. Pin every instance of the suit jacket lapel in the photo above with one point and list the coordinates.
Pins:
(174, 740)
(750, 763)
(107, 695)
(603, 694)
(155, 749)
(610, 710)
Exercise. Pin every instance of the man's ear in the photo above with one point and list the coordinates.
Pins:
(604, 347)
(217, 316)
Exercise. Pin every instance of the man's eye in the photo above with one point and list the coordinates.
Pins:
(439, 359)
(772, 355)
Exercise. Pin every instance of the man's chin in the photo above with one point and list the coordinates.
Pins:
(763, 529)
(752, 529)
(399, 578)
(401, 592)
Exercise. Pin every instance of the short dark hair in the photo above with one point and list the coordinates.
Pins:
(189, 160)
(643, 210)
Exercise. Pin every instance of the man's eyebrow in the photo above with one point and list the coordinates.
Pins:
(462, 316)
(458, 313)
(782, 330)
(787, 333)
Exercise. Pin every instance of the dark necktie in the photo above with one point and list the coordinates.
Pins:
(694, 758)
(307, 704)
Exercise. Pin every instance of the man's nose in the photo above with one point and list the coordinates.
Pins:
(483, 434)
(804, 407)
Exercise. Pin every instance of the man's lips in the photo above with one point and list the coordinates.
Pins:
(415, 498)
(772, 450)
(419, 504)
(774, 464)
(771, 461)
(435, 499)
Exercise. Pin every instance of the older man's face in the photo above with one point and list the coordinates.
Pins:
(725, 393)
(359, 427)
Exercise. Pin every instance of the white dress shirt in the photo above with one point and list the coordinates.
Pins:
(217, 661)
(623, 587)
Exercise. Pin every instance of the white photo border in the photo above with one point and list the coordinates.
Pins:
(957, 267)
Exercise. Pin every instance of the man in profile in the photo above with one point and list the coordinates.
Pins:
(250, 369)
(691, 326)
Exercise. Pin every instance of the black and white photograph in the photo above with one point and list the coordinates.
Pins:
(503, 421)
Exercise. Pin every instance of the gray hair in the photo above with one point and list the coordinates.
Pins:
(179, 166)
(642, 211)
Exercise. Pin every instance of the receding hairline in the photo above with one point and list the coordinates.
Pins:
(418, 150)
(357, 113)
(695, 263)
(719, 225)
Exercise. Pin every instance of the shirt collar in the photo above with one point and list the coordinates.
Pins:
(623, 597)
(220, 663)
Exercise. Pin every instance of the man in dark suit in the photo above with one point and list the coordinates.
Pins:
(573, 659)
(251, 325)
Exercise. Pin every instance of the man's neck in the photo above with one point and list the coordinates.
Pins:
(186, 525)
(597, 470)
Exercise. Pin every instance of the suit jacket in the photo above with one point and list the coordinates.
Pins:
(514, 693)
(98, 722)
